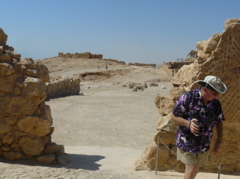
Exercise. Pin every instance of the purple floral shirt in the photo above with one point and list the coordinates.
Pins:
(190, 105)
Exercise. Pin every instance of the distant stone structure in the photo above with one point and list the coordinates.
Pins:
(86, 55)
(191, 56)
(172, 67)
(143, 65)
(115, 61)
(25, 119)
(219, 56)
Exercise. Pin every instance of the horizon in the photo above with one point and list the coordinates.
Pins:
(135, 31)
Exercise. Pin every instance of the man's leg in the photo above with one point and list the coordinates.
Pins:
(191, 171)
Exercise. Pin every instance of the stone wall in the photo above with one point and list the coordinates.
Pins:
(61, 86)
(172, 67)
(115, 61)
(143, 65)
(25, 119)
(219, 56)
(86, 55)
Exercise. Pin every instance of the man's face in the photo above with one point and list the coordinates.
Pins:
(210, 94)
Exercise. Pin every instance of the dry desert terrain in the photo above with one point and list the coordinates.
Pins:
(106, 128)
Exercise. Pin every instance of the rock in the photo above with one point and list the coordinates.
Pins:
(46, 158)
(6, 69)
(63, 160)
(13, 155)
(31, 145)
(34, 125)
(5, 127)
(53, 148)
(153, 84)
(3, 37)
(34, 87)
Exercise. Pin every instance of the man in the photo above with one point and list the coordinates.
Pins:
(196, 113)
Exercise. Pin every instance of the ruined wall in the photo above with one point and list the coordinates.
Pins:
(61, 86)
(143, 65)
(86, 55)
(219, 56)
(25, 119)
(115, 61)
(172, 67)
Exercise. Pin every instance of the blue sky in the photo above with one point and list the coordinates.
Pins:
(144, 31)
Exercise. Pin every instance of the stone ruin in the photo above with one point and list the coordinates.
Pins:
(219, 56)
(143, 65)
(171, 68)
(25, 119)
(86, 55)
(62, 86)
(89, 55)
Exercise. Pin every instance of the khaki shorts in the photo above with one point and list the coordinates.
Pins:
(191, 158)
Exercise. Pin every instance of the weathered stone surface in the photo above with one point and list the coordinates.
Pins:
(231, 22)
(209, 45)
(19, 105)
(219, 56)
(16, 56)
(166, 137)
(3, 37)
(28, 62)
(43, 72)
(46, 159)
(48, 114)
(13, 155)
(150, 155)
(5, 57)
(34, 125)
(63, 160)
(1, 49)
(53, 148)
(34, 86)
(5, 127)
(6, 69)
(8, 83)
(31, 145)
(8, 138)
(10, 120)
(164, 104)
(181, 79)
(30, 72)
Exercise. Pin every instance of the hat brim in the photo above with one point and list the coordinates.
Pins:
(223, 88)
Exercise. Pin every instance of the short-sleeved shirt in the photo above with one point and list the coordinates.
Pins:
(191, 105)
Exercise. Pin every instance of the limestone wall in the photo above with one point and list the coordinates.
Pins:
(25, 119)
(143, 65)
(115, 61)
(219, 56)
(86, 55)
(172, 67)
(61, 86)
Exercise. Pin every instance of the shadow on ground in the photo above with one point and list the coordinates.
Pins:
(77, 161)
(86, 162)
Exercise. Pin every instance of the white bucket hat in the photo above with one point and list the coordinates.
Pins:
(213, 83)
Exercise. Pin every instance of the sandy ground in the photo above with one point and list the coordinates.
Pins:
(104, 131)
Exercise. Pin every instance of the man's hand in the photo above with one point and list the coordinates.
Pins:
(194, 128)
